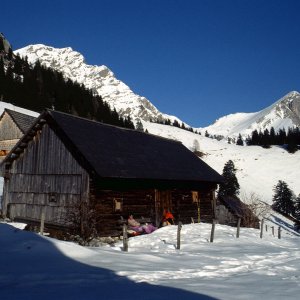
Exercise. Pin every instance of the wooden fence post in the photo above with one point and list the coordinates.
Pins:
(273, 230)
(266, 227)
(212, 234)
(261, 228)
(238, 228)
(178, 234)
(42, 225)
(279, 232)
(125, 238)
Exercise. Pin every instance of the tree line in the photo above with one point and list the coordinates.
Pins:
(267, 138)
(38, 87)
(175, 123)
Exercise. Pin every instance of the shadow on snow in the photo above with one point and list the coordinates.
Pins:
(33, 268)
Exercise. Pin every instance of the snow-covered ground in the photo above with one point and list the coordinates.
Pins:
(38, 267)
(258, 169)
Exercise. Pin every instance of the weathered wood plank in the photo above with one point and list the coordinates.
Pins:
(45, 175)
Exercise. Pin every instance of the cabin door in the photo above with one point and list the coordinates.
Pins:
(163, 200)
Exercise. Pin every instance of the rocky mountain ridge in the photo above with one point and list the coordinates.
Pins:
(284, 113)
(100, 79)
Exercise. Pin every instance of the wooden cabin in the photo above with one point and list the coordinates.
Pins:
(78, 170)
(231, 208)
(13, 126)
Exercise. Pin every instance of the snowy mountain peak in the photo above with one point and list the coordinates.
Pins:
(284, 113)
(98, 78)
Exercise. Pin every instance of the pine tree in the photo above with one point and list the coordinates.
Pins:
(297, 208)
(1, 44)
(139, 126)
(265, 142)
(176, 123)
(10, 54)
(240, 141)
(281, 137)
(230, 186)
(292, 141)
(2, 78)
(272, 136)
(283, 199)
(255, 138)
(196, 146)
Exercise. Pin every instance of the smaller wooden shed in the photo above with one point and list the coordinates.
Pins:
(231, 208)
(13, 126)
(67, 166)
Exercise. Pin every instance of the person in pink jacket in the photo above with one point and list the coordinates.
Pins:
(136, 226)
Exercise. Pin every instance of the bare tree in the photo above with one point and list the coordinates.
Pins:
(196, 148)
(259, 209)
(81, 219)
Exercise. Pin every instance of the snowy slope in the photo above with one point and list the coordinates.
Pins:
(284, 113)
(37, 267)
(100, 79)
(258, 169)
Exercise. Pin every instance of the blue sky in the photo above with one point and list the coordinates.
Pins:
(196, 59)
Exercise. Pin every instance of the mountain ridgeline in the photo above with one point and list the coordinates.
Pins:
(36, 87)
(284, 113)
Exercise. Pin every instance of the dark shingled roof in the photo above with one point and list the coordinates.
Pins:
(235, 205)
(23, 121)
(125, 153)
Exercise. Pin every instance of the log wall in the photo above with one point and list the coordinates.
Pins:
(142, 203)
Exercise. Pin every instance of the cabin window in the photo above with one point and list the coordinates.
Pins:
(118, 204)
(195, 197)
(52, 198)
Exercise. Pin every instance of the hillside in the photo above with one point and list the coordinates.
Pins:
(258, 169)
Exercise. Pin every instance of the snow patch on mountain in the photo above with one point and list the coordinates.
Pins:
(100, 79)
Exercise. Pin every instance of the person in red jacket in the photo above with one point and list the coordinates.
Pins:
(168, 218)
